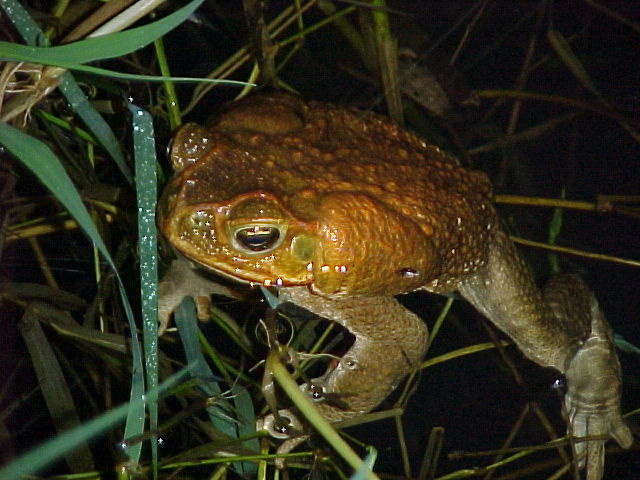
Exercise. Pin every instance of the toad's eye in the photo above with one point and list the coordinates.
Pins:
(257, 238)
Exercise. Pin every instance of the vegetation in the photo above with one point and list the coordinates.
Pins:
(542, 96)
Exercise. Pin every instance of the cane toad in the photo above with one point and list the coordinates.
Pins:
(343, 210)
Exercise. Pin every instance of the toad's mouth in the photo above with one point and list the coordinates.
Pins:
(219, 271)
(243, 276)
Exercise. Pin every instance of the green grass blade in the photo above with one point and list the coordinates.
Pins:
(367, 465)
(625, 345)
(565, 52)
(28, 29)
(171, 101)
(104, 47)
(13, 52)
(247, 421)
(144, 150)
(221, 413)
(67, 126)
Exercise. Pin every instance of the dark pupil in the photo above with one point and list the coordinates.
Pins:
(258, 238)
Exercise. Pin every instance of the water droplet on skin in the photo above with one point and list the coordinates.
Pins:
(408, 272)
(316, 391)
(282, 425)
(350, 363)
(559, 385)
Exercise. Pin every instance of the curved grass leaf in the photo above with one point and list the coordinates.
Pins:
(565, 52)
(124, 42)
(243, 404)
(367, 465)
(625, 345)
(74, 55)
(31, 32)
(221, 413)
(39, 158)
(106, 46)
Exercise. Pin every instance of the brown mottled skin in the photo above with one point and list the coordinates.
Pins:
(343, 210)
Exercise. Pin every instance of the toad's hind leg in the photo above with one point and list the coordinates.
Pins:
(389, 343)
(564, 329)
(592, 402)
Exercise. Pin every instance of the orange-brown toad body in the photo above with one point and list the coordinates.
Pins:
(343, 210)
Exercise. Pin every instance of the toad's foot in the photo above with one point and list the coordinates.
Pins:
(183, 280)
(593, 402)
(285, 426)
(389, 343)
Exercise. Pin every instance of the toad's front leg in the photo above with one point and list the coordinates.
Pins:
(389, 343)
